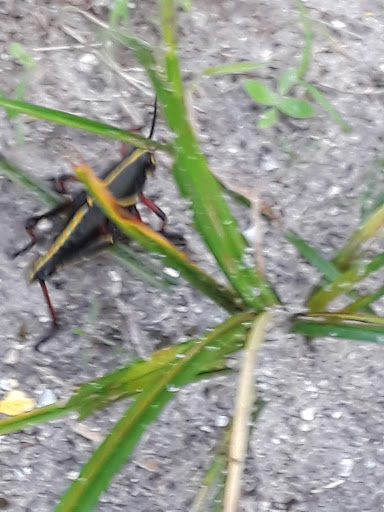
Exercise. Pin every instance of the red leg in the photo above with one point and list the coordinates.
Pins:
(153, 207)
(48, 301)
(135, 212)
(32, 234)
(59, 182)
(55, 323)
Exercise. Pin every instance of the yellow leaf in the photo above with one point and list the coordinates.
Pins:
(16, 402)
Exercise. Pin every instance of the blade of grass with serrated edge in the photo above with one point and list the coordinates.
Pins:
(350, 331)
(118, 446)
(212, 216)
(367, 229)
(344, 283)
(81, 123)
(155, 242)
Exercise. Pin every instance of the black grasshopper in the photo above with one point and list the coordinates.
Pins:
(87, 229)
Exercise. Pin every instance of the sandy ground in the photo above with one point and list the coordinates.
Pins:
(319, 442)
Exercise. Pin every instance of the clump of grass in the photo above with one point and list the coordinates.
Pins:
(247, 296)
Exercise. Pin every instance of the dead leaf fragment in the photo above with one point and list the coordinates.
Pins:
(16, 402)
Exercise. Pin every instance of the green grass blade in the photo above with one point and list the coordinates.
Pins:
(235, 68)
(15, 174)
(313, 256)
(322, 100)
(362, 302)
(212, 216)
(132, 379)
(342, 316)
(350, 331)
(156, 243)
(129, 381)
(326, 267)
(80, 123)
(344, 283)
(118, 446)
(307, 29)
(35, 417)
(367, 229)
(379, 201)
(169, 37)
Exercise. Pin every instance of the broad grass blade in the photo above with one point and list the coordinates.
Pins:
(80, 123)
(146, 407)
(339, 328)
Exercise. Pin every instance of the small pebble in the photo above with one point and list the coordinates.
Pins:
(11, 356)
(47, 397)
(308, 414)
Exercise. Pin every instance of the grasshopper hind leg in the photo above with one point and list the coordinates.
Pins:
(52, 312)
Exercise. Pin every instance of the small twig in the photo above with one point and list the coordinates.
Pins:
(72, 33)
(66, 47)
(244, 401)
(87, 15)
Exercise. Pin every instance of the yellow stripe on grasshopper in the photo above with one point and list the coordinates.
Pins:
(127, 201)
(129, 160)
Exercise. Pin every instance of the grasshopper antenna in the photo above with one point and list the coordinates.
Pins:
(153, 119)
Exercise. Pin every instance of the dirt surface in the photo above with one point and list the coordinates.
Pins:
(319, 442)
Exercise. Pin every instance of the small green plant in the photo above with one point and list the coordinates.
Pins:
(119, 13)
(279, 101)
